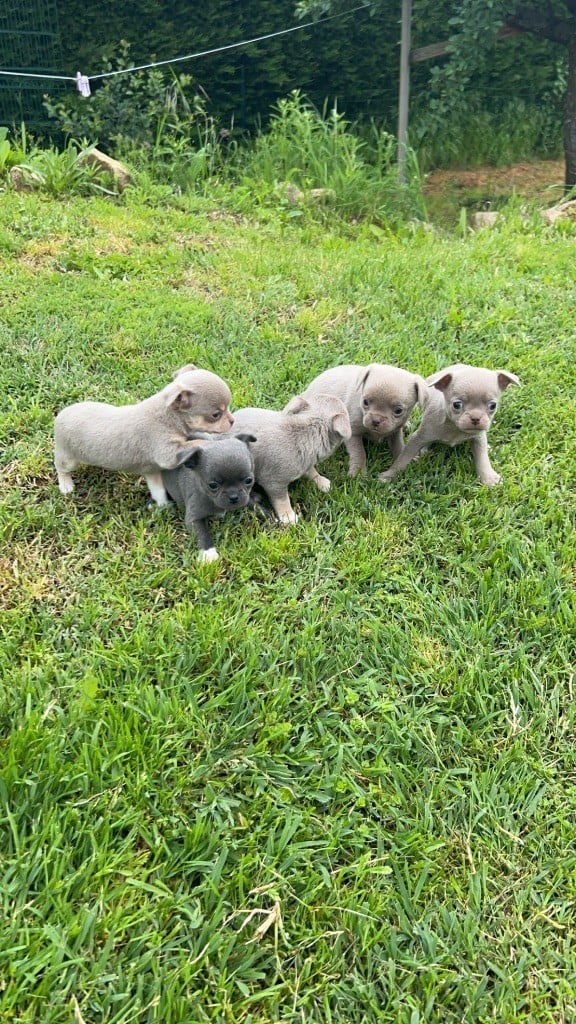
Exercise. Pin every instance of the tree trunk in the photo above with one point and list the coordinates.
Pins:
(570, 116)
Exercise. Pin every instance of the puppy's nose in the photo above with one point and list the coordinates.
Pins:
(231, 419)
(475, 420)
(233, 497)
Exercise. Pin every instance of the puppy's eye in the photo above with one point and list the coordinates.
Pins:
(214, 485)
(492, 406)
(365, 403)
(216, 415)
(457, 405)
(249, 481)
(398, 410)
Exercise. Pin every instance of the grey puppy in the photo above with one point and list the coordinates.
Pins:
(216, 477)
(291, 442)
(461, 406)
(379, 399)
(144, 438)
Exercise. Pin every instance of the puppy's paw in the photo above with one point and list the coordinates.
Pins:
(65, 483)
(385, 477)
(208, 555)
(159, 505)
(323, 484)
(491, 479)
(288, 518)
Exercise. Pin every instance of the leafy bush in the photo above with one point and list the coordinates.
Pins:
(128, 111)
(63, 173)
(517, 132)
(11, 153)
(309, 150)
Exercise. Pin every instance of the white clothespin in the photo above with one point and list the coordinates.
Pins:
(83, 84)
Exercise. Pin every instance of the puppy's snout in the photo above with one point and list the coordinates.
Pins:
(230, 419)
(233, 497)
(375, 422)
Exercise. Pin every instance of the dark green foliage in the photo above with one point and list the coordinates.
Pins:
(351, 60)
(128, 110)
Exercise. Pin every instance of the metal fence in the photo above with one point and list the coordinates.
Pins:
(30, 41)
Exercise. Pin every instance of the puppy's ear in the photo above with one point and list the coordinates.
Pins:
(246, 438)
(341, 425)
(184, 399)
(365, 377)
(505, 379)
(421, 389)
(297, 404)
(189, 458)
(440, 380)
(184, 369)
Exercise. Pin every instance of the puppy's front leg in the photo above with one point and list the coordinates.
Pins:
(357, 455)
(322, 482)
(410, 451)
(484, 469)
(206, 550)
(283, 508)
(396, 443)
(157, 489)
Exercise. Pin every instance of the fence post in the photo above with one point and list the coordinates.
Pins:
(404, 87)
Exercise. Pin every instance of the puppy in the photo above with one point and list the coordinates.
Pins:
(291, 442)
(461, 404)
(144, 438)
(216, 477)
(379, 400)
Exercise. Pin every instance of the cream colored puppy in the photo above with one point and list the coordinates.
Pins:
(379, 400)
(291, 442)
(144, 438)
(461, 406)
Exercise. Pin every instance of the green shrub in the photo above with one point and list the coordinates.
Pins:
(517, 132)
(11, 153)
(309, 150)
(63, 173)
(128, 111)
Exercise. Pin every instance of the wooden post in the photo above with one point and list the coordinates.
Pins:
(404, 87)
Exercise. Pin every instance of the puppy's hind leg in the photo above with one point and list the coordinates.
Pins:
(322, 482)
(157, 490)
(64, 466)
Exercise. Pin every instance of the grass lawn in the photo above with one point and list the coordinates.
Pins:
(330, 777)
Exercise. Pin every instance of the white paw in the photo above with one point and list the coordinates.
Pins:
(491, 479)
(65, 484)
(323, 484)
(288, 518)
(385, 477)
(208, 555)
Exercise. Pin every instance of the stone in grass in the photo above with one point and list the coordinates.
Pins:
(483, 219)
(24, 180)
(295, 196)
(562, 211)
(120, 173)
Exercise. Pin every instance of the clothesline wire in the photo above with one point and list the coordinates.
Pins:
(190, 56)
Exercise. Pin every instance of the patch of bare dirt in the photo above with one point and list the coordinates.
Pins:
(539, 180)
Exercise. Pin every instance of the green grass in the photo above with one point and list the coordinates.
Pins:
(331, 776)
